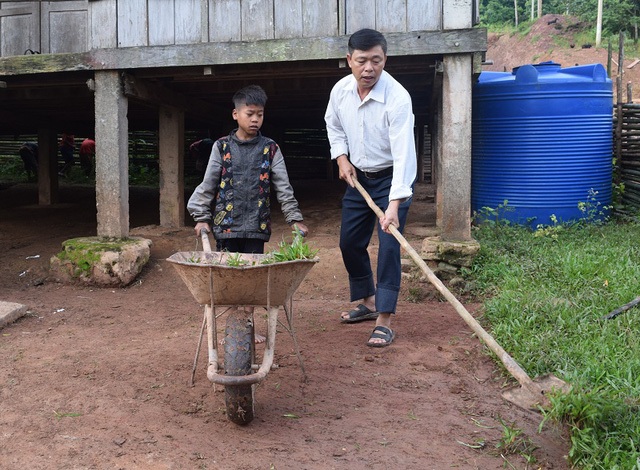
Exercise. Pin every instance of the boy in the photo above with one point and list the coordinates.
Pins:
(237, 183)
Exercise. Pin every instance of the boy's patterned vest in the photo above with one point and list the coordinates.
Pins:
(223, 217)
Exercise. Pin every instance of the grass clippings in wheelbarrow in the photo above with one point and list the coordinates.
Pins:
(295, 250)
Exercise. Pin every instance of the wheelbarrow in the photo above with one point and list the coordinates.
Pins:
(236, 281)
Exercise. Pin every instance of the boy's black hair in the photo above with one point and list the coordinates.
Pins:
(250, 95)
(366, 39)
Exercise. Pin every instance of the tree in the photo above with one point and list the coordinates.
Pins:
(617, 15)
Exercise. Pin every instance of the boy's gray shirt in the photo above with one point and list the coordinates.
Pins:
(246, 154)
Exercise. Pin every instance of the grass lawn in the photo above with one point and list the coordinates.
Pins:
(546, 295)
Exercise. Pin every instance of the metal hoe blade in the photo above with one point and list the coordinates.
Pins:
(536, 396)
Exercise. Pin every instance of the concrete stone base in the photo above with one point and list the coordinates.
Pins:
(448, 256)
(10, 312)
(101, 262)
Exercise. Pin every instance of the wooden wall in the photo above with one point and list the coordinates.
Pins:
(81, 25)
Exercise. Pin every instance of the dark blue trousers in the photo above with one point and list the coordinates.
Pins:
(358, 223)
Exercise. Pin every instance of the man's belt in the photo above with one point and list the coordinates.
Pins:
(374, 175)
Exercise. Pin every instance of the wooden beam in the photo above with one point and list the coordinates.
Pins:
(276, 50)
(155, 94)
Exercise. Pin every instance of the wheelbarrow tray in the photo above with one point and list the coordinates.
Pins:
(211, 280)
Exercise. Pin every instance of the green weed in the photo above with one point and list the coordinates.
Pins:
(295, 250)
(236, 260)
(514, 442)
(60, 414)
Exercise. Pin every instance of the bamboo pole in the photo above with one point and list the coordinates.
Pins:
(509, 363)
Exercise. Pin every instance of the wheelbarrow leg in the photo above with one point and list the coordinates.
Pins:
(288, 310)
(195, 359)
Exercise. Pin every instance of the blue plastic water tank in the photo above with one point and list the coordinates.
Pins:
(542, 140)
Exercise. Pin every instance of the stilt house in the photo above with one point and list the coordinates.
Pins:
(109, 67)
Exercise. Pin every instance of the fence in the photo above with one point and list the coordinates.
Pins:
(626, 136)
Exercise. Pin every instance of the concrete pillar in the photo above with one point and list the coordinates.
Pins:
(112, 155)
(47, 167)
(453, 183)
(171, 161)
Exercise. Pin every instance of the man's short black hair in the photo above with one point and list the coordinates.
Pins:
(366, 39)
(250, 95)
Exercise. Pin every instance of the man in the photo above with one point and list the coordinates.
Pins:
(29, 154)
(67, 146)
(370, 124)
(87, 153)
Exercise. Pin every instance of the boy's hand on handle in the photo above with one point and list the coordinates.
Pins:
(202, 226)
(300, 228)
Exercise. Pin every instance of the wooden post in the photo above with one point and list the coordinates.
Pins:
(453, 195)
(629, 93)
(599, 24)
(112, 155)
(47, 166)
(171, 159)
(619, 98)
(621, 55)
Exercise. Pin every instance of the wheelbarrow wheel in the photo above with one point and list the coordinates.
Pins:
(238, 357)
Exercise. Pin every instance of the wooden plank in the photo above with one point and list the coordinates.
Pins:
(287, 19)
(64, 27)
(457, 14)
(277, 50)
(360, 14)
(188, 28)
(391, 15)
(424, 15)
(224, 21)
(68, 32)
(257, 20)
(132, 23)
(19, 30)
(103, 27)
(320, 18)
(161, 22)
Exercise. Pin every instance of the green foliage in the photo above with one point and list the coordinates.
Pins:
(498, 12)
(594, 418)
(297, 249)
(545, 302)
(143, 175)
(12, 169)
(236, 259)
(617, 15)
(513, 441)
(490, 216)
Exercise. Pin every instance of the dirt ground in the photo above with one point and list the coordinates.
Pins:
(98, 378)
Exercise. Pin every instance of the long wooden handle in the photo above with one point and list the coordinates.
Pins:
(510, 364)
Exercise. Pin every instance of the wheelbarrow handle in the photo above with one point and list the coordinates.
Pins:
(204, 235)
